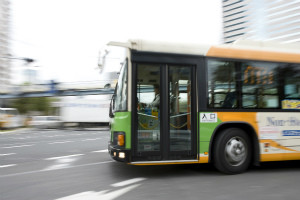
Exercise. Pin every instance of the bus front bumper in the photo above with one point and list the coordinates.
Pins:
(118, 154)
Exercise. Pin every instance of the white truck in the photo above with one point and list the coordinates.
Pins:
(85, 110)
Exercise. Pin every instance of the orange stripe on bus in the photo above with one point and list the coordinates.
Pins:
(279, 157)
(270, 157)
(249, 117)
(291, 156)
(253, 55)
(203, 159)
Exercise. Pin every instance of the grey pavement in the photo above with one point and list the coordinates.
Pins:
(74, 164)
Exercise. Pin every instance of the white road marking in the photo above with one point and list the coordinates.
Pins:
(91, 195)
(61, 157)
(7, 154)
(128, 182)
(51, 136)
(91, 139)
(44, 170)
(19, 138)
(24, 138)
(62, 163)
(76, 134)
(27, 145)
(61, 142)
(4, 166)
(101, 151)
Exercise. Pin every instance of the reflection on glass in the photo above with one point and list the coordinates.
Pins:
(121, 90)
(180, 108)
(292, 81)
(259, 85)
(148, 107)
(222, 84)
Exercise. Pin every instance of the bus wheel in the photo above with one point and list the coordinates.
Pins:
(232, 151)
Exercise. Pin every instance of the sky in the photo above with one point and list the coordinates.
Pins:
(64, 36)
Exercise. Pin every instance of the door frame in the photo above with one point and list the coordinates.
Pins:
(165, 60)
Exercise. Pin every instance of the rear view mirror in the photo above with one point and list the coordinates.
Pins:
(112, 106)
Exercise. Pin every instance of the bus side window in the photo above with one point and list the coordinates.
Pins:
(292, 82)
(260, 85)
(221, 84)
(230, 100)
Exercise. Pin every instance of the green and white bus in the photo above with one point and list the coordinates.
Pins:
(230, 105)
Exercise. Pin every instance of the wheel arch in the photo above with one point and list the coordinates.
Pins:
(245, 127)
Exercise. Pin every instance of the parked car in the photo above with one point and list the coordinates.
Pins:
(46, 122)
(10, 118)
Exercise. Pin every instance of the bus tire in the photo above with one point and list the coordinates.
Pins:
(232, 151)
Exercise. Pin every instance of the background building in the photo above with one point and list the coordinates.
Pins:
(272, 20)
(5, 62)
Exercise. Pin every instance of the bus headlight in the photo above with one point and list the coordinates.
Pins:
(122, 155)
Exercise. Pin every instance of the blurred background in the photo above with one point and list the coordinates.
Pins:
(50, 49)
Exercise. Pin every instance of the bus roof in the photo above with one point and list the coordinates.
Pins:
(243, 49)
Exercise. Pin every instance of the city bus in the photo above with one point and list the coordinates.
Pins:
(231, 105)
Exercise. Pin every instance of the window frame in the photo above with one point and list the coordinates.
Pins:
(239, 84)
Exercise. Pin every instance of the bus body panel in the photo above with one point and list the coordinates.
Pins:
(278, 132)
(122, 123)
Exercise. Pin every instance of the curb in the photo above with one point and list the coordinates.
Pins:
(2, 132)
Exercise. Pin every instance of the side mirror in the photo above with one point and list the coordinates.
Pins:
(111, 107)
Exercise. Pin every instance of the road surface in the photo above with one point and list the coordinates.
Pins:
(74, 164)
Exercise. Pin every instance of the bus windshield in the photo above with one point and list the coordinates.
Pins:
(120, 96)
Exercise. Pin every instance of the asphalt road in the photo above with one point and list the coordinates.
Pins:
(74, 164)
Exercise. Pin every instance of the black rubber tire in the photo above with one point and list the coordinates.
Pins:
(226, 139)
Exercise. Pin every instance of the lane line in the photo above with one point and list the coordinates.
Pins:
(60, 157)
(101, 151)
(62, 163)
(39, 142)
(104, 194)
(128, 182)
(7, 154)
(38, 171)
(27, 145)
(61, 142)
(4, 166)
(90, 139)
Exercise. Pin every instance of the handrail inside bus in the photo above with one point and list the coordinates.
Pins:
(148, 115)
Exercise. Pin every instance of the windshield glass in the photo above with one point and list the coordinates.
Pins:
(120, 101)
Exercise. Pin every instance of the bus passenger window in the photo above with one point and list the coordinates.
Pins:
(221, 84)
(260, 85)
(292, 82)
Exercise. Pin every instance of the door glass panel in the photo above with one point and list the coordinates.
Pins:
(148, 107)
(180, 108)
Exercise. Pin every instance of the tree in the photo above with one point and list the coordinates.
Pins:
(38, 104)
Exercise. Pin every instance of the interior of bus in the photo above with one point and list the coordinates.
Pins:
(149, 102)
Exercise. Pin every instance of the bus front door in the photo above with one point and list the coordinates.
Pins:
(165, 113)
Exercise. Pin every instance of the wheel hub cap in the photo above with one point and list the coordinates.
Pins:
(236, 151)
